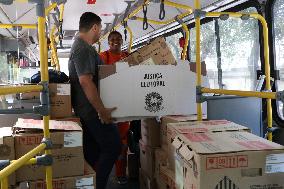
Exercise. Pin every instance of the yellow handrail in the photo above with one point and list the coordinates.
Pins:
(50, 8)
(27, 158)
(25, 26)
(130, 39)
(187, 34)
(20, 89)
(4, 183)
(61, 12)
(53, 49)
(21, 161)
(44, 78)
(198, 58)
(269, 95)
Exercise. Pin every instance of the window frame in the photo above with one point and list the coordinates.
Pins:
(248, 4)
(269, 12)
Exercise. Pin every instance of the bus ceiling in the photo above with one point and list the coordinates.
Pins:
(112, 13)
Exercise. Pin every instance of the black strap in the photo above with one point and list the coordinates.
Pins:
(162, 10)
(145, 20)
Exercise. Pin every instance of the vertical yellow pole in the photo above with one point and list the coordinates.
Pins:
(130, 39)
(53, 49)
(187, 33)
(267, 72)
(198, 57)
(4, 183)
(44, 78)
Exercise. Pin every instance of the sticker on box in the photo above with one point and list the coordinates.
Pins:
(274, 163)
(63, 89)
(72, 139)
(85, 182)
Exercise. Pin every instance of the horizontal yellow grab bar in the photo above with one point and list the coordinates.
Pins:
(20, 89)
(20, 162)
(26, 26)
(270, 95)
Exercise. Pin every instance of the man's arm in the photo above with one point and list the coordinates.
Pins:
(91, 92)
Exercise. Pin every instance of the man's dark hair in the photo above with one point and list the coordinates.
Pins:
(87, 20)
(114, 33)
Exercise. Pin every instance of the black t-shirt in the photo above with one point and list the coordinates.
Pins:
(84, 59)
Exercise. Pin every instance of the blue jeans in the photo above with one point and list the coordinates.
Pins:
(102, 146)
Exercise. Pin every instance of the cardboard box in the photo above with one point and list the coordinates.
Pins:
(173, 119)
(158, 50)
(150, 90)
(175, 129)
(60, 100)
(67, 148)
(7, 150)
(167, 179)
(150, 131)
(133, 166)
(146, 182)
(79, 182)
(147, 159)
(88, 170)
(230, 159)
(30, 95)
(161, 159)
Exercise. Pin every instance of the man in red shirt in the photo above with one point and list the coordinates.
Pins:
(109, 57)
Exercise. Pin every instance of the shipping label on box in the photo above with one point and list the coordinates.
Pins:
(230, 159)
(156, 90)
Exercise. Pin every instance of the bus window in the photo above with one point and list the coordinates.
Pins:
(208, 51)
(239, 48)
(278, 24)
(4, 69)
(173, 43)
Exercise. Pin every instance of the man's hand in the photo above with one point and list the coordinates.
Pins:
(105, 115)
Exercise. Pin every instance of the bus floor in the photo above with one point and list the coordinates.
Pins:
(112, 183)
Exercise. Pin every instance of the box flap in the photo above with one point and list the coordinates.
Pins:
(226, 142)
(53, 125)
(5, 132)
(207, 126)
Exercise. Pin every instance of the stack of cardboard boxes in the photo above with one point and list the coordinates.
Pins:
(215, 154)
(69, 168)
(7, 149)
(150, 142)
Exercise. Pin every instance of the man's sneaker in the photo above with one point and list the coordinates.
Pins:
(122, 180)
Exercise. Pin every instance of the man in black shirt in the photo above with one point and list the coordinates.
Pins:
(101, 142)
